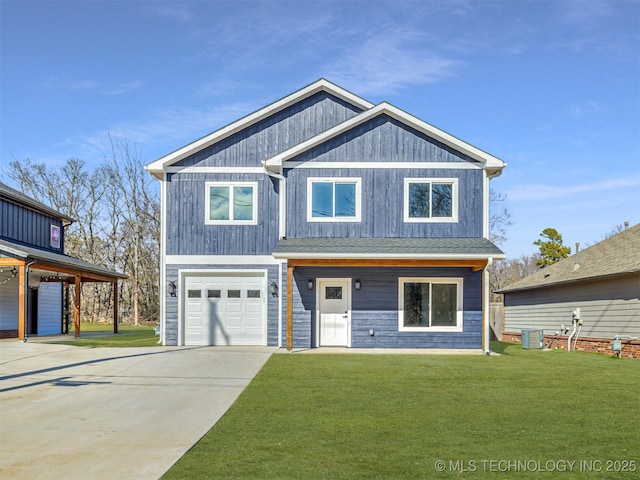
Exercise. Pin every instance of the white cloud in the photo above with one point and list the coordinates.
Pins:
(390, 61)
(102, 88)
(585, 13)
(587, 108)
(167, 130)
(541, 192)
(177, 11)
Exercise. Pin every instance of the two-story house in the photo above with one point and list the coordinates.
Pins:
(35, 273)
(325, 220)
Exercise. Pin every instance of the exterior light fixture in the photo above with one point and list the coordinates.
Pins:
(357, 285)
(310, 284)
(274, 289)
(172, 289)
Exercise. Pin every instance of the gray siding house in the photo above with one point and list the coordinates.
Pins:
(325, 220)
(602, 281)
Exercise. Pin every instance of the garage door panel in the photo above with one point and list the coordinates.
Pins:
(229, 309)
(234, 307)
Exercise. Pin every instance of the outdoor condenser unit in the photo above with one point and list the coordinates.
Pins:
(532, 339)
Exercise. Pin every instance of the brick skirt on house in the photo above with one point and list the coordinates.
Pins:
(630, 348)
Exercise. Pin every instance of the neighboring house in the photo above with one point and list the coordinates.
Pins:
(34, 271)
(325, 220)
(603, 281)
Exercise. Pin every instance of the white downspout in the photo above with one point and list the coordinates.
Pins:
(282, 219)
(487, 304)
(282, 207)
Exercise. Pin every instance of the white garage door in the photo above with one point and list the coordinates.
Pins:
(224, 309)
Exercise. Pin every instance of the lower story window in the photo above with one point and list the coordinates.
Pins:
(433, 304)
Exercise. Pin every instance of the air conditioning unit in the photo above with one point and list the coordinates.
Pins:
(532, 339)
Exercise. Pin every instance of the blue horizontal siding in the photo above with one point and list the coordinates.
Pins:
(383, 205)
(375, 306)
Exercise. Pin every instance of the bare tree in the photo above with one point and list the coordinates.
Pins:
(499, 218)
(138, 208)
(116, 225)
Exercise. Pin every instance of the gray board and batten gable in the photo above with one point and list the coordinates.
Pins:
(274, 134)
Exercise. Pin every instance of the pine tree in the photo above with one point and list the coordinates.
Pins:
(551, 248)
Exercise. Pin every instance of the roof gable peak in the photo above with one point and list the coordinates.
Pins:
(492, 164)
(157, 167)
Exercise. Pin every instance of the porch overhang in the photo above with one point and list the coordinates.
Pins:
(387, 251)
(54, 267)
(474, 253)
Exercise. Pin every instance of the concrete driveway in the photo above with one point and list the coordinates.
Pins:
(126, 413)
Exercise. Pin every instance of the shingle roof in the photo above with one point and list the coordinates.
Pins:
(432, 248)
(56, 259)
(617, 255)
(9, 192)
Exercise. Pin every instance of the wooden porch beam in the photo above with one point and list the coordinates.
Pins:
(11, 262)
(476, 265)
(290, 269)
(22, 304)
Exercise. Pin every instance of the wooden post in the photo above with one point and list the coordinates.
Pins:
(76, 312)
(290, 308)
(115, 306)
(22, 295)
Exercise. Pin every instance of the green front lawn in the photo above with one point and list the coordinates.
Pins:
(127, 336)
(524, 414)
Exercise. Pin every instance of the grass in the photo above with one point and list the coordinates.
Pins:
(127, 336)
(394, 416)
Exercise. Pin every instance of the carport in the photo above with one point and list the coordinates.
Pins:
(32, 267)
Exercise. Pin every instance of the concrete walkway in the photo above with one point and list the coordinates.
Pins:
(126, 413)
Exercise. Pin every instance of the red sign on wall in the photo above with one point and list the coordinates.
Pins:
(55, 236)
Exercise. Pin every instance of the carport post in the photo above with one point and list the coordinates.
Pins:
(115, 306)
(22, 301)
(76, 312)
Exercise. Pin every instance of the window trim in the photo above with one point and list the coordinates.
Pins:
(230, 185)
(442, 181)
(346, 180)
(458, 281)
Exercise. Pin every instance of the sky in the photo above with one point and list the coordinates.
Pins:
(550, 87)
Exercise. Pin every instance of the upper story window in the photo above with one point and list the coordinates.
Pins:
(431, 200)
(231, 203)
(333, 200)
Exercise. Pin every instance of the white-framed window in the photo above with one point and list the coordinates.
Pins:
(231, 203)
(430, 199)
(430, 304)
(333, 199)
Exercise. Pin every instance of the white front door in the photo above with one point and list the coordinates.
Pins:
(334, 312)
